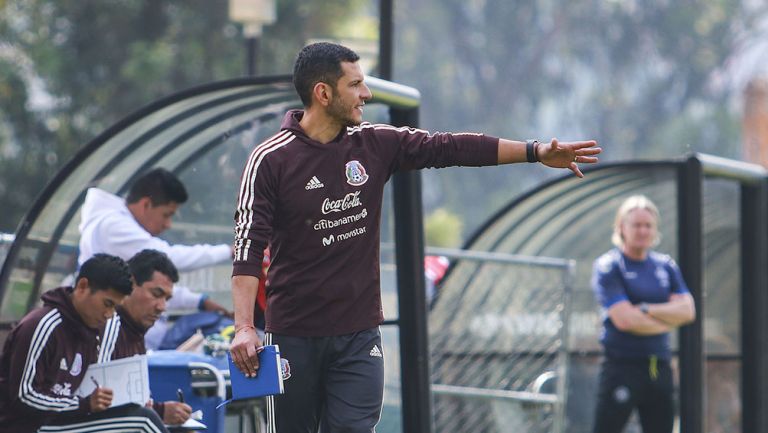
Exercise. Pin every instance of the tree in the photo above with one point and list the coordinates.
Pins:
(442, 228)
(70, 69)
(644, 78)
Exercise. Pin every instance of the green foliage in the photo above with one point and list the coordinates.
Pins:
(646, 79)
(71, 68)
(442, 228)
(641, 77)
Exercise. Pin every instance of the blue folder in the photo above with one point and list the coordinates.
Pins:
(268, 380)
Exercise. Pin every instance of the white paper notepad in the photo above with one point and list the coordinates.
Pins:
(128, 378)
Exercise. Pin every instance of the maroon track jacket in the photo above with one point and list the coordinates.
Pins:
(122, 337)
(318, 206)
(43, 363)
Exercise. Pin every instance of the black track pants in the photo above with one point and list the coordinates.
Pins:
(126, 418)
(336, 384)
(628, 384)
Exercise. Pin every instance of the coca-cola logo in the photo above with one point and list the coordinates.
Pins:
(351, 200)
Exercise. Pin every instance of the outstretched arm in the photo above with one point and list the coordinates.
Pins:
(556, 154)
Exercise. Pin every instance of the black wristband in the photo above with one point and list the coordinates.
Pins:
(530, 150)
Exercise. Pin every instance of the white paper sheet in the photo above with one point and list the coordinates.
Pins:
(128, 378)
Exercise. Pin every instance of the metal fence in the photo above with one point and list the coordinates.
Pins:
(498, 341)
(498, 328)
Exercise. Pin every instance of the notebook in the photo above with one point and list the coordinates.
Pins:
(128, 378)
(190, 424)
(268, 380)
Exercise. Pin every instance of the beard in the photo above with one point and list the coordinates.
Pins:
(342, 112)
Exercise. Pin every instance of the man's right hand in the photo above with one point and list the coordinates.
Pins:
(176, 412)
(100, 399)
(244, 349)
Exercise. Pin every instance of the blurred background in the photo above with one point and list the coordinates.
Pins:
(648, 79)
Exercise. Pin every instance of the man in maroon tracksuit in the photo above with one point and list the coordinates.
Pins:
(313, 192)
(153, 277)
(46, 355)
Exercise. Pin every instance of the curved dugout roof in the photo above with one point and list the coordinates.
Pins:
(573, 218)
(703, 201)
(204, 135)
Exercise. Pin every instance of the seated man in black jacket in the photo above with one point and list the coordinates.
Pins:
(46, 356)
(153, 278)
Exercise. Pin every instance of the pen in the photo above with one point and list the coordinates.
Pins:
(180, 393)
(94, 382)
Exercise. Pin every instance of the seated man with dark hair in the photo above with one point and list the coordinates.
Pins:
(153, 278)
(46, 355)
(123, 227)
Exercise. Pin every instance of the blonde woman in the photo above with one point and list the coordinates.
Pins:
(643, 297)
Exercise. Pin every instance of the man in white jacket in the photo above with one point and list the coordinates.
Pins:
(122, 228)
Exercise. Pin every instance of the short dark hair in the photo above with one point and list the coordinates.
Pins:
(160, 185)
(319, 62)
(105, 272)
(146, 262)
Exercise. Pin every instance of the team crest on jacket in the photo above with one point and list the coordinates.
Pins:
(356, 174)
(77, 365)
(285, 368)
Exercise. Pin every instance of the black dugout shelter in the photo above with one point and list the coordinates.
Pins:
(204, 135)
(714, 214)
(714, 222)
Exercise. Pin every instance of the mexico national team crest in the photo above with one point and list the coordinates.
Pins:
(356, 174)
(285, 367)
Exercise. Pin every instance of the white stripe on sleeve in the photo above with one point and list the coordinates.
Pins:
(27, 394)
(247, 194)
